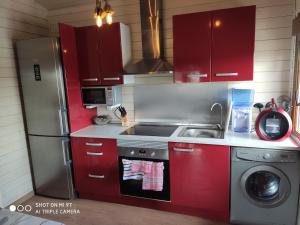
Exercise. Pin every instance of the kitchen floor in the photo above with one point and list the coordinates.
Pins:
(102, 213)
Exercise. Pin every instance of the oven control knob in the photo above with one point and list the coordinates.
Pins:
(132, 153)
(152, 154)
(267, 156)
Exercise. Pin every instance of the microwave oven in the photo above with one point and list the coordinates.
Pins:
(101, 96)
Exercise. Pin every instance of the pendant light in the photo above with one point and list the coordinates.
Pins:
(100, 13)
(109, 12)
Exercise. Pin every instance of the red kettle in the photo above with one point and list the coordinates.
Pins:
(273, 124)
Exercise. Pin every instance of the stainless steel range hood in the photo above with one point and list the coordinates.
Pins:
(152, 41)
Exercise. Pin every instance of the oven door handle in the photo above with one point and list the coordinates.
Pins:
(183, 149)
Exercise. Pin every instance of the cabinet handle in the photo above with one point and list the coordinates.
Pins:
(297, 98)
(94, 144)
(198, 75)
(226, 74)
(111, 78)
(183, 149)
(90, 79)
(95, 153)
(96, 176)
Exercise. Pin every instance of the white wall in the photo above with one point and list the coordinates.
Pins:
(19, 19)
(273, 34)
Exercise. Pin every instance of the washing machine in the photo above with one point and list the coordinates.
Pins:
(264, 186)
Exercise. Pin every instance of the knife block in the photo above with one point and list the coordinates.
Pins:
(124, 121)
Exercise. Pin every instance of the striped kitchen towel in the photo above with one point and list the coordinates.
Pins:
(153, 176)
(152, 173)
(133, 169)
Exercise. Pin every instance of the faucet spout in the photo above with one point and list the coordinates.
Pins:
(221, 112)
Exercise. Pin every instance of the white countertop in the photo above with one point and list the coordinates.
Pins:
(231, 138)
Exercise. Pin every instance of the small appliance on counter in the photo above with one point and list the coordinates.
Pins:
(102, 96)
(273, 124)
(102, 119)
(242, 100)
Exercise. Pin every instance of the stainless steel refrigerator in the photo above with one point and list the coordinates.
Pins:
(44, 97)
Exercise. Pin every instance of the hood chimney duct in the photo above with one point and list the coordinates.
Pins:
(152, 41)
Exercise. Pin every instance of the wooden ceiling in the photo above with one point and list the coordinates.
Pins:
(57, 4)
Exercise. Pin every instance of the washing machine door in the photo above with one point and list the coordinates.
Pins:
(265, 186)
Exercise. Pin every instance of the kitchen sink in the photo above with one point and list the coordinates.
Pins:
(205, 131)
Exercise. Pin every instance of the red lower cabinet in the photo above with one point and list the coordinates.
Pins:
(200, 179)
(96, 167)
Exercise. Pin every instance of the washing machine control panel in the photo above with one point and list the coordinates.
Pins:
(266, 155)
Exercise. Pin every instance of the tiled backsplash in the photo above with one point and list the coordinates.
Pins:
(127, 99)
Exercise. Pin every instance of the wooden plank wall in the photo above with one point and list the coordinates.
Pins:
(19, 19)
(273, 34)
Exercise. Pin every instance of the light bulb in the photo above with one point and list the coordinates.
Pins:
(218, 23)
(99, 21)
(109, 18)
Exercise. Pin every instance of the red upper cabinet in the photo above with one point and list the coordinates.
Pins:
(233, 38)
(79, 117)
(102, 53)
(111, 61)
(88, 52)
(217, 43)
(200, 179)
(192, 43)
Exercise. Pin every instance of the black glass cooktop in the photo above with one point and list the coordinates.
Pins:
(151, 130)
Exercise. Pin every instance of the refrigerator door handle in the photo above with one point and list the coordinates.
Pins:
(66, 154)
(62, 102)
(61, 126)
(63, 121)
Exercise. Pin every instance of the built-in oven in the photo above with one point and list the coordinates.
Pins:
(144, 151)
(101, 96)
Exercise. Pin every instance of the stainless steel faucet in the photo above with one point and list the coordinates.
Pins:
(221, 112)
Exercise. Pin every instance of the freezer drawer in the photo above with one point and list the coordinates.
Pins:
(51, 164)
